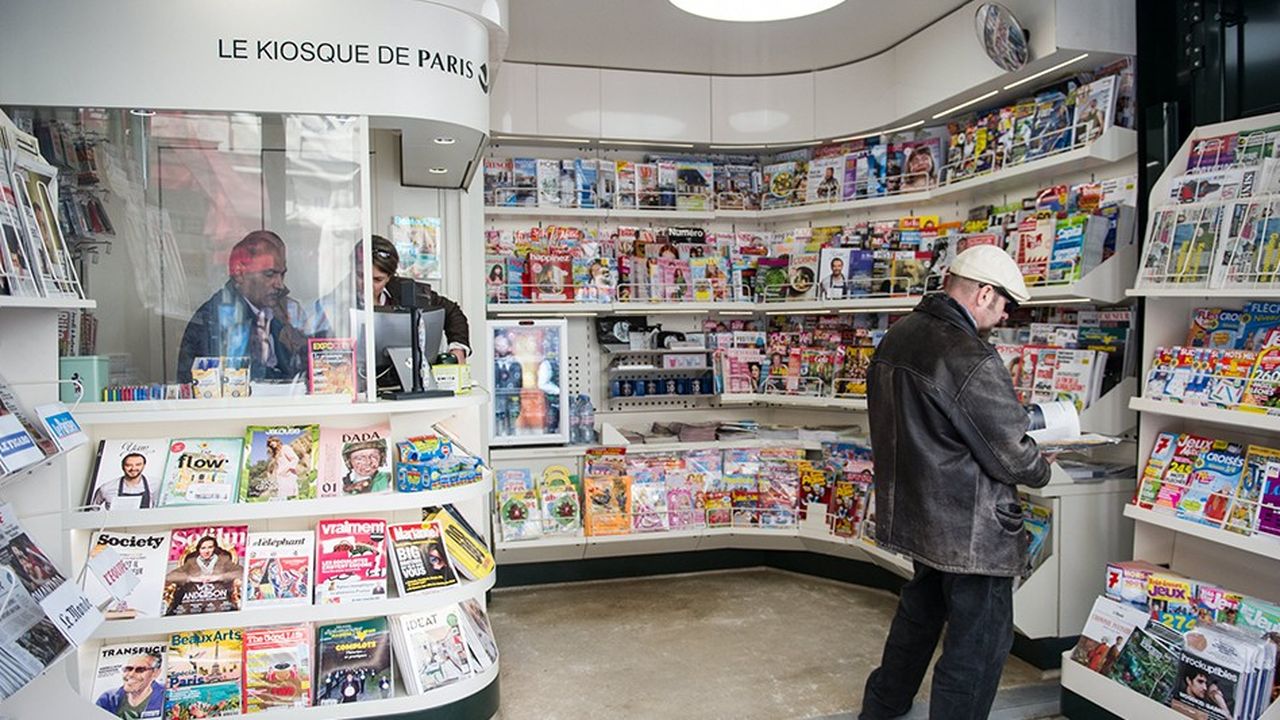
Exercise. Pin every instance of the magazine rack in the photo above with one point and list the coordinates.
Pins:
(461, 417)
(1247, 564)
(44, 494)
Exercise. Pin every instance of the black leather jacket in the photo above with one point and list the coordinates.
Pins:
(950, 444)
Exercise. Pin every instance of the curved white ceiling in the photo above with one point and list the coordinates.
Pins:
(655, 35)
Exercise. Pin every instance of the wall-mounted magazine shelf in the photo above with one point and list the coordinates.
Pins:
(818, 210)
(1115, 144)
(804, 401)
(599, 213)
(1258, 544)
(255, 617)
(254, 409)
(351, 505)
(1107, 284)
(1202, 292)
(1206, 414)
(674, 307)
(46, 303)
(575, 451)
(1111, 695)
(552, 309)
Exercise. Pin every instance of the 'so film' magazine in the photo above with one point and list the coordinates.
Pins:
(206, 570)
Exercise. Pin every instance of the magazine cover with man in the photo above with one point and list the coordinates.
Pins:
(206, 569)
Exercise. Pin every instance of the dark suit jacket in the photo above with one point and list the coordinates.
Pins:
(223, 326)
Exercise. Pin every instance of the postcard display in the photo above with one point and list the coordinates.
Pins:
(636, 356)
(1208, 486)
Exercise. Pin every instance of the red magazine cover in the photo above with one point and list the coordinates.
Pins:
(551, 278)
(351, 560)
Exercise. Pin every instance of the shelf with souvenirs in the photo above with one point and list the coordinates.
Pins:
(1208, 497)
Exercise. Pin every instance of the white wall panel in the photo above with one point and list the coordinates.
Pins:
(513, 104)
(655, 106)
(569, 101)
(945, 60)
(854, 97)
(771, 108)
(1101, 25)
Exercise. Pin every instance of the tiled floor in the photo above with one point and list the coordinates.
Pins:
(744, 644)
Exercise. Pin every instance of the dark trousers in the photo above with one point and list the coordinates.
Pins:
(978, 613)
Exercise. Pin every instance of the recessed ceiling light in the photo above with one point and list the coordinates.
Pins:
(438, 170)
(445, 141)
(754, 10)
(142, 113)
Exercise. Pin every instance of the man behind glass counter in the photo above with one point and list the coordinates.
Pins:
(245, 317)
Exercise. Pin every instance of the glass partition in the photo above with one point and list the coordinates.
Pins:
(220, 247)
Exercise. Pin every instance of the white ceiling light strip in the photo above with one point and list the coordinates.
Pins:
(965, 104)
(863, 136)
(1046, 71)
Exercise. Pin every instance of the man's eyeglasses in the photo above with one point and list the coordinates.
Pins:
(1009, 303)
(136, 669)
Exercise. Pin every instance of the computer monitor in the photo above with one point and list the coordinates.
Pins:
(393, 341)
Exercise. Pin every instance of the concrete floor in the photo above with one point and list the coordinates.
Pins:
(744, 644)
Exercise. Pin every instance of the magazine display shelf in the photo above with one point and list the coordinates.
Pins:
(801, 401)
(251, 410)
(1115, 144)
(1111, 695)
(1106, 284)
(1118, 699)
(1207, 414)
(461, 417)
(598, 213)
(29, 361)
(1044, 605)
(46, 303)
(250, 512)
(257, 617)
(1207, 293)
(1247, 564)
(1052, 604)
(1267, 546)
(397, 708)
